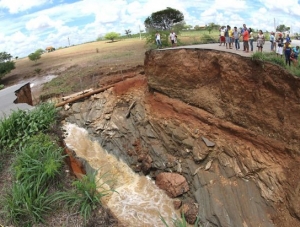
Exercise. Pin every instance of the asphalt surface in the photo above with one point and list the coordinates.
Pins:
(215, 46)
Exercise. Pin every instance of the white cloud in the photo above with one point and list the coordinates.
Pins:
(22, 5)
(42, 22)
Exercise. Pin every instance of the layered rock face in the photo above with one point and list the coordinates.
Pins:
(227, 124)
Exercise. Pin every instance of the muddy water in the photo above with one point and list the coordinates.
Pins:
(138, 201)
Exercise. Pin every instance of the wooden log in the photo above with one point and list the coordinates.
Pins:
(84, 96)
(76, 94)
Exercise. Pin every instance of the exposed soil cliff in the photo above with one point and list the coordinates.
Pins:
(226, 123)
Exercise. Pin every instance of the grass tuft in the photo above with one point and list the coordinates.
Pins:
(86, 195)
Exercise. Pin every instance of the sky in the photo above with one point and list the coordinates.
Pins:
(28, 25)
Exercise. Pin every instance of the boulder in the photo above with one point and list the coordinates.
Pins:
(173, 184)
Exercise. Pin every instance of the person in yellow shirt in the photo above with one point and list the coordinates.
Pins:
(230, 33)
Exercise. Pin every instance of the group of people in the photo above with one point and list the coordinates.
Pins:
(231, 38)
(172, 37)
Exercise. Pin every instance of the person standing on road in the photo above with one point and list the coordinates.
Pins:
(260, 41)
(173, 38)
(251, 39)
(279, 49)
(272, 40)
(236, 36)
(222, 35)
(157, 39)
(245, 35)
(242, 32)
(227, 38)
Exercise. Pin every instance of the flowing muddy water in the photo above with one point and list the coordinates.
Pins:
(137, 200)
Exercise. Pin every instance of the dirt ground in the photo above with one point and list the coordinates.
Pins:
(77, 68)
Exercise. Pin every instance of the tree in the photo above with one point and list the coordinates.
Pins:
(164, 19)
(112, 36)
(35, 56)
(128, 32)
(6, 65)
(212, 26)
(188, 27)
(282, 28)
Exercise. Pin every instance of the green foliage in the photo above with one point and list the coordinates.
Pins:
(36, 165)
(258, 56)
(177, 222)
(282, 28)
(164, 19)
(128, 32)
(24, 206)
(41, 51)
(37, 162)
(1, 86)
(112, 36)
(205, 38)
(261, 58)
(21, 125)
(6, 65)
(36, 55)
(86, 195)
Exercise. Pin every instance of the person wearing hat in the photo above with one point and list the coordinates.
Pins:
(279, 49)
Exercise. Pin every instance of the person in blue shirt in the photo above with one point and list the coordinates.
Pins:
(288, 39)
(295, 54)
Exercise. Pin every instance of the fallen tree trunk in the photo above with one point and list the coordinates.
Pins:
(83, 96)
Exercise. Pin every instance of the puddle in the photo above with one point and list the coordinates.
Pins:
(138, 201)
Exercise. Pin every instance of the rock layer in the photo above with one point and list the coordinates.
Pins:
(224, 122)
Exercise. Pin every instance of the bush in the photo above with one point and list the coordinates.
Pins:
(21, 125)
(207, 39)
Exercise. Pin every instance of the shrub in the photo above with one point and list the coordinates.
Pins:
(205, 38)
(21, 125)
(38, 161)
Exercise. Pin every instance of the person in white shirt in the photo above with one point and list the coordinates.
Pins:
(173, 38)
(157, 39)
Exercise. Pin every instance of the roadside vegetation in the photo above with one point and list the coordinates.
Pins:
(273, 58)
(33, 161)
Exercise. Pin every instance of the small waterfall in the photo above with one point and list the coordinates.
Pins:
(138, 201)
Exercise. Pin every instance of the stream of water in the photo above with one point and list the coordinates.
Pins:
(137, 200)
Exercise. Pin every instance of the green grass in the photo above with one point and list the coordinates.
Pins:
(38, 161)
(179, 222)
(86, 195)
(36, 165)
(24, 206)
(261, 58)
(21, 125)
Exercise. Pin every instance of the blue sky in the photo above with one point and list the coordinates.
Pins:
(27, 25)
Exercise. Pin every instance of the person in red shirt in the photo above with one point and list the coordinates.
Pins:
(246, 40)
